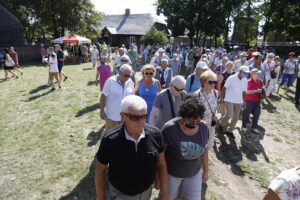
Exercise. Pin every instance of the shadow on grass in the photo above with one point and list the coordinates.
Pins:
(88, 68)
(251, 145)
(87, 110)
(39, 88)
(229, 153)
(266, 104)
(38, 96)
(93, 137)
(85, 188)
(91, 83)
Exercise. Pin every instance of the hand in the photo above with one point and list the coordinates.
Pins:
(258, 90)
(102, 115)
(221, 100)
(205, 177)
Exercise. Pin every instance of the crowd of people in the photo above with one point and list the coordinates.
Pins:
(159, 127)
(161, 122)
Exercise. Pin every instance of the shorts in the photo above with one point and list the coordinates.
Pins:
(53, 75)
(287, 77)
(190, 188)
(60, 68)
(8, 67)
(94, 61)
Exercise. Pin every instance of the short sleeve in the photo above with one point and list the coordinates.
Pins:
(103, 152)
(228, 83)
(245, 85)
(158, 101)
(106, 87)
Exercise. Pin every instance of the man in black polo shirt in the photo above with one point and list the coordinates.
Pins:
(133, 152)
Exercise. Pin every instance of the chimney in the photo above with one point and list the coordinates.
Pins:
(127, 11)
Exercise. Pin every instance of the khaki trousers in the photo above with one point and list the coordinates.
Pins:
(232, 114)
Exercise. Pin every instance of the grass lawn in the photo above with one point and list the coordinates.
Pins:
(48, 139)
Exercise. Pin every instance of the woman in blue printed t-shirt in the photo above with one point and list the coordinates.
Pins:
(148, 87)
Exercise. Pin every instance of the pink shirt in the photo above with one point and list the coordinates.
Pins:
(104, 74)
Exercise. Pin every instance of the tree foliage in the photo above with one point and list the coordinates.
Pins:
(198, 18)
(154, 36)
(55, 17)
(281, 19)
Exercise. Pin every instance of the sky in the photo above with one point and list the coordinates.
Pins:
(119, 6)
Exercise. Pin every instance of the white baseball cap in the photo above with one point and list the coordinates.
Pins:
(245, 69)
(202, 65)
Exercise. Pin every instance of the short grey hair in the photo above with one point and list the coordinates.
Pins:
(176, 80)
(133, 102)
(125, 67)
(164, 60)
(229, 62)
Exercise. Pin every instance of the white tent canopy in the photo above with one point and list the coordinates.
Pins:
(71, 39)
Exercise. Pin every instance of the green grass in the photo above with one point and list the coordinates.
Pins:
(43, 135)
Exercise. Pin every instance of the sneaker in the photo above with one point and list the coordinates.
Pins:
(65, 78)
(59, 87)
(53, 88)
(244, 129)
(230, 134)
(255, 130)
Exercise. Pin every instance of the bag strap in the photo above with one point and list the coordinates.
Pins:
(207, 99)
(192, 81)
(171, 103)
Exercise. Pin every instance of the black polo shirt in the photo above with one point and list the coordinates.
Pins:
(131, 171)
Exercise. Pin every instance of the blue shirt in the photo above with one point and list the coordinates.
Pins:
(196, 83)
(60, 55)
(148, 94)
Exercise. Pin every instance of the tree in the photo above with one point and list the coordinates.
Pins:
(54, 18)
(281, 19)
(198, 18)
(154, 36)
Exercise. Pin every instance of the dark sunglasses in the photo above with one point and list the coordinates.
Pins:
(127, 75)
(212, 82)
(177, 89)
(136, 117)
(149, 73)
(123, 60)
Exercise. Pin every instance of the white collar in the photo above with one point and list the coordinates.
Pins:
(136, 142)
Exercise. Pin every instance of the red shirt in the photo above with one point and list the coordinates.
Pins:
(252, 85)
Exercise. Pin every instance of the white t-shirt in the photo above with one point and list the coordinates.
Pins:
(95, 54)
(290, 67)
(114, 93)
(267, 67)
(53, 64)
(238, 64)
(234, 89)
(287, 185)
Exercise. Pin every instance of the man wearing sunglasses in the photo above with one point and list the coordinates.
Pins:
(167, 102)
(164, 74)
(133, 152)
(119, 59)
(115, 89)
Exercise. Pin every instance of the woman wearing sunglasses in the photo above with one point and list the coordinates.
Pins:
(148, 87)
(186, 152)
(209, 98)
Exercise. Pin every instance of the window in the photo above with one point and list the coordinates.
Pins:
(132, 40)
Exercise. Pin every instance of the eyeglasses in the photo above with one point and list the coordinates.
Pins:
(136, 117)
(177, 89)
(124, 60)
(127, 75)
(149, 73)
(212, 82)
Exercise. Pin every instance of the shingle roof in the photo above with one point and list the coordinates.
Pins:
(132, 24)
